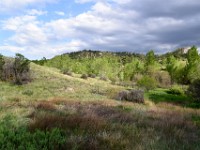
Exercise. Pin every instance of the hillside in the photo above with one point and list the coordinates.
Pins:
(57, 111)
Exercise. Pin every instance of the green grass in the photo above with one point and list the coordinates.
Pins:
(162, 95)
(57, 111)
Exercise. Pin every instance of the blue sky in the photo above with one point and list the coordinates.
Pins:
(38, 28)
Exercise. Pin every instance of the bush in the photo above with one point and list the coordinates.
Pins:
(69, 73)
(175, 91)
(123, 95)
(163, 79)
(15, 70)
(84, 76)
(132, 96)
(91, 75)
(21, 69)
(104, 78)
(194, 90)
(13, 136)
(147, 83)
(2, 62)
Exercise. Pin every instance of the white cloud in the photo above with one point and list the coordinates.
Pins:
(13, 5)
(36, 12)
(60, 13)
(124, 25)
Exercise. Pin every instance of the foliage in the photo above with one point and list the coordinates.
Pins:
(163, 79)
(21, 69)
(15, 70)
(192, 55)
(191, 71)
(20, 138)
(175, 91)
(171, 67)
(162, 95)
(194, 89)
(150, 58)
(147, 83)
(2, 62)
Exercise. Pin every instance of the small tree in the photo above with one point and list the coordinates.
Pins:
(21, 68)
(192, 55)
(147, 83)
(150, 58)
(2, 62)
(192, 64)
(194, 89)
(171, 67)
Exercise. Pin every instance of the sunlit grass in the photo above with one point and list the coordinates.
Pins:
(88, 116)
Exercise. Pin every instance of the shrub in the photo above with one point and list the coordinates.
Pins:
(136, 96)
(91, 75)
(21, 69)
(104, 78)
(2, 62)
(194, 89)
(16, 70)
(175, 91)
(163, 79)
(84, 76)
(123, 95)
(132, 96)
(147, 83)
(69, 73)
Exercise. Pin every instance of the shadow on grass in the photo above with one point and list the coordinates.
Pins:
(161, 95)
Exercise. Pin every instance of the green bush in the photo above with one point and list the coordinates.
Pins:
(194, 90)
(147, 83)
(175, 91)
(2, 62)
(12, 137)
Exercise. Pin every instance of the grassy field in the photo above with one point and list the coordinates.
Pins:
(57, 111)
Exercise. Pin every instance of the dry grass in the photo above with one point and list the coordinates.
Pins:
(93, 120)
(94, 125)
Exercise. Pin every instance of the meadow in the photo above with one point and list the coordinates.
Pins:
(58, 111)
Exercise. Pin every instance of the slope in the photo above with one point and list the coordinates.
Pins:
(57, 111)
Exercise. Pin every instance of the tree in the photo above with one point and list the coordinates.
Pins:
(192, 66)
(192, 55)
(2, 62)
(148, 83)
(171, 67)
(21, 68)
(150, 58)
(194, 89)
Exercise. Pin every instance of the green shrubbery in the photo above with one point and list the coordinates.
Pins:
(15, 70)
(147, 83)
(175, 91)
(23, 139)
(194, 90)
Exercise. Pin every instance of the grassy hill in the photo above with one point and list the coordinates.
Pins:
(57, 111)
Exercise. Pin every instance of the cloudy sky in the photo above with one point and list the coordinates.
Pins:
(38, 28)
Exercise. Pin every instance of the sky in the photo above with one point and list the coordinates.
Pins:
(45, 28)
